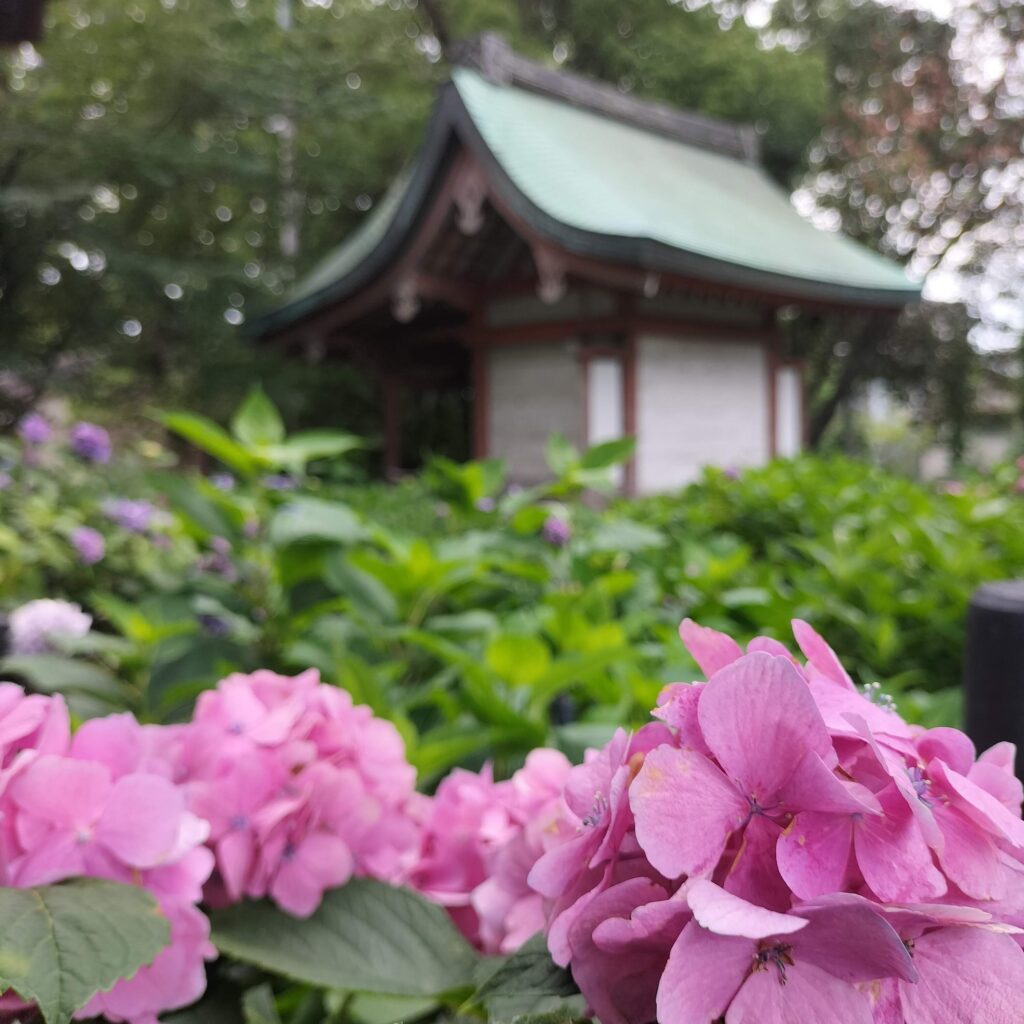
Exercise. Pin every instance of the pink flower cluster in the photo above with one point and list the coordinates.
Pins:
(102, 804)
(479, 841)
(781, 847)
(301, 789)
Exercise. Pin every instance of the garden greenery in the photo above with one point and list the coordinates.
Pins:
(291, 748)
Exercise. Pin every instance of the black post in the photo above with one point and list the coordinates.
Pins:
(994, 666)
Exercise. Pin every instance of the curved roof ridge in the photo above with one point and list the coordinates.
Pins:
(495, 60)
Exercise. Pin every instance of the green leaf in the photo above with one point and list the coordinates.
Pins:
(199, 511)
(61, 944)
(300, 449)
(529, 982)
(518, 659)
(561, 455)
(624, 535)
(212, 439)
(313, 519)
(364, 937)
(258, 1006)
(608, 453)
(50, 673)
(366, 592)
(442, 748)
(257, 422)
(367, 1008)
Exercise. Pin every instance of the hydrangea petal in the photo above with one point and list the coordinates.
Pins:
(709, 648)
(685, 810)
(852, 942)
(893, 856)
(819, 654)
(140, 824)
(725, 914)
(759, 719)
(814, 853)
(703, 974)
(809, 994)
(968, 976)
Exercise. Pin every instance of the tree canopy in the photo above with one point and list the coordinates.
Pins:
(167, 167)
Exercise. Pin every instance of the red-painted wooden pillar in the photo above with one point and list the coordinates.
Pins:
(391, 399)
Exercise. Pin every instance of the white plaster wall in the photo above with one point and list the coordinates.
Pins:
(698, 403)
(789, 411)
(534, 392)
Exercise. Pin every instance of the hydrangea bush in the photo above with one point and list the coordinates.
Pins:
(776, 846)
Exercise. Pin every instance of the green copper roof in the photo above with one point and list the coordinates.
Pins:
(604, 176)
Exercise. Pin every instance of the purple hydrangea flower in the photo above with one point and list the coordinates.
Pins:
(90, 442)
(279, 482)
(34, 626)
(218, 559)
(89, 544)
(5, 479)
(213, 625)
(135, 516)
(731, 473)
(485, 505)
(223, 481)
(556, 531)
(34, 429)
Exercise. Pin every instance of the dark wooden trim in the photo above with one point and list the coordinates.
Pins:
(555, 330)
(477, 343)
(391, 401)
(771, 354)
(629, 411)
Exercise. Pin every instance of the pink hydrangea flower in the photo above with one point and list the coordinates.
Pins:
(103, 804)
(789, 848)
(302, 789)
(480, 840)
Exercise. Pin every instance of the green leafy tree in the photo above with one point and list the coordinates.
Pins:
(142, 189)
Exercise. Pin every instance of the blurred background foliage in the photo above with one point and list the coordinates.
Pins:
(483, 620)
(168, 167)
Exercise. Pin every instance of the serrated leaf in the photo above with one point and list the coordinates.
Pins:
(61, 944)
(529, 982)
(364, 937)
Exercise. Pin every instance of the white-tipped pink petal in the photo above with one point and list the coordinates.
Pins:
(724, 914)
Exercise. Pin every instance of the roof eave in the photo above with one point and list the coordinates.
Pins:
(648, 254)
(452, 119)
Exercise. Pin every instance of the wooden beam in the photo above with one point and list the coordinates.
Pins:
(556, 330)
(391, 400)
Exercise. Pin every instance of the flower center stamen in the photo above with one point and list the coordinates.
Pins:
(779, 955)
